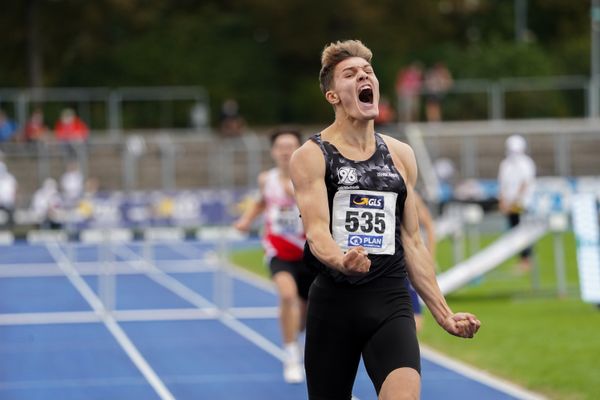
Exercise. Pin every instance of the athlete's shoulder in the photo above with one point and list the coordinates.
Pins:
(404, 158)
(262, 179)
(398, 148)
(307, 161)
(309, 150)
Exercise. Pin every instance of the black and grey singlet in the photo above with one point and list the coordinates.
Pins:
(366, 204)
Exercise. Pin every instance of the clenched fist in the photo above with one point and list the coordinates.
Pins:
(356, 261)
(462, 325)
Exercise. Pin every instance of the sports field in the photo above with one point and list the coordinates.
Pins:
(138, 320)
(530, 336)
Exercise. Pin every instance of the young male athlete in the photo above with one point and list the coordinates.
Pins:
(354, 189)
(283, 242)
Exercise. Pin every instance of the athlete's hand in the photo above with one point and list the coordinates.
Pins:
(242, 225)
(356, 262)
(463, 325)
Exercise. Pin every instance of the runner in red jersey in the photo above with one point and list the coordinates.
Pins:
(284, 241)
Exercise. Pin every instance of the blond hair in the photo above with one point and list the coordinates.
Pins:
(335, 53)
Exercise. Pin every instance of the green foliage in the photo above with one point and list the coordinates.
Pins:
(266, 53)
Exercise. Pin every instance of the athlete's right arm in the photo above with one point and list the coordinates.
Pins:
(255, 209)
(426, 221)
(307, 170)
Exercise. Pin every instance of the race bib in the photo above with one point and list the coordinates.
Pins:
(365, 218)
(286, 220)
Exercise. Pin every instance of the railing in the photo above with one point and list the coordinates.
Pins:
(168, 107)
(529, 97)
(116, 109)
(172, 160)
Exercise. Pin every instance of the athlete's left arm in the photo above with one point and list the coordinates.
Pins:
(420, 265)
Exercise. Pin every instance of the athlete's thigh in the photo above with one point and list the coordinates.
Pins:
(332, 352)
(394, 345)
(282, 274)
(286, 285)
(304, 278)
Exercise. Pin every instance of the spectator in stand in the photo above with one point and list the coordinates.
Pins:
(70, 128)
(516, 180)
(8, 194)
(72, 184)
(408, 89)
(35, 129)
(386, 114)
(8, 128)
(438, 81)
(46, 204)
(446, 173)
(231, 123)
(71, 131)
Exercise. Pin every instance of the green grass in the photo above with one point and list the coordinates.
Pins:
(251, 260)
(529, 335)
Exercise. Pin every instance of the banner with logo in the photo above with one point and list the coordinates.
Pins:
(185, 208)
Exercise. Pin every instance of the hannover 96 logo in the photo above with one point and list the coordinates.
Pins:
(347, 176)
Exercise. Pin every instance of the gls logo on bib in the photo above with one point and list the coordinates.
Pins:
(366, 201)
(347, 176)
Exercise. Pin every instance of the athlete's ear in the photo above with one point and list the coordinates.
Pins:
(332, 97)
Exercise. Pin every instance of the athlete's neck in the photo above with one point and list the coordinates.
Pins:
(351, 133)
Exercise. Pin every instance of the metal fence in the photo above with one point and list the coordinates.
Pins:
(118, 109)
(526, 97)
(184, 159)
(559, 147)
(171, 160)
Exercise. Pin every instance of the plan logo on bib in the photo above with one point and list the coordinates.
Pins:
(347, 176)
(369, 241)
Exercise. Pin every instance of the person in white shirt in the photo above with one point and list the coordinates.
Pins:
(8, 194)
(45, 205)
(516, 180)
(72, 184)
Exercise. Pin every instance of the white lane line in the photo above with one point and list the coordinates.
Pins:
(245, 331)
(165, 280)
(96, 268)
(253, 336)
(226, 318)
(479, 376)
(110, 322)
(43, 318)
(258, 282)
(160, 314)
(253, 279)
(190, 252)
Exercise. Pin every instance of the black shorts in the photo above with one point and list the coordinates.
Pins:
(514, 219)
(374, 320)
(302, 275)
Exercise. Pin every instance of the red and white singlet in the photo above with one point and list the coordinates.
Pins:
(284, 236)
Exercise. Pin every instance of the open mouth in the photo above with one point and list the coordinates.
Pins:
(366, 95)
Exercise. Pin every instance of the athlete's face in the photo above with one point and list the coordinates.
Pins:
(282, 149)
(355, 88)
